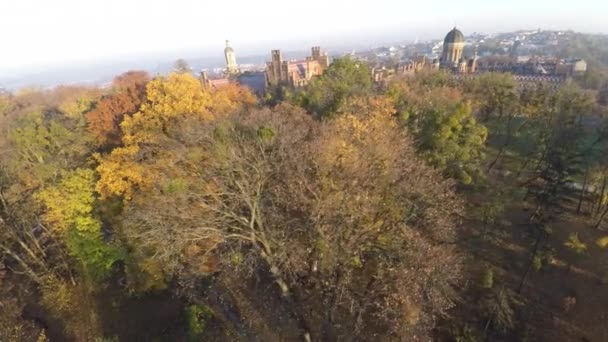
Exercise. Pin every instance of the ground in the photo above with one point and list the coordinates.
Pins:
(565, 276)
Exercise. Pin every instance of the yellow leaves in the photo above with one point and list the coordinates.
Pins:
(231, 98)
(602, 242)
(575, 243)
(120, 173)
(171, 98)
(173, 102)
(74, 101)
(56, 295)
(365, 118)
(141, 128)
(362, 122)
(176, 94)
(74, 109)
(70, 203)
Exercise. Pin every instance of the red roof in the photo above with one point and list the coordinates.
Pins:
(220, 82)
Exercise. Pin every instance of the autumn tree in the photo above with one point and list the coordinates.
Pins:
(128, 93)
(175, 106)
(171, 102)
(13, 327)
(346, 205)
(44, 180)
(69, 211)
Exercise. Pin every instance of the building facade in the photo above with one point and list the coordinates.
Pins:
(295, 73)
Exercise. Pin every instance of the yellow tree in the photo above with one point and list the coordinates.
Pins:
(154, 146)
(167, 100)
(231, 98)
(170, 100)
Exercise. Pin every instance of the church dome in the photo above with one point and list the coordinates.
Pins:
(454, 36)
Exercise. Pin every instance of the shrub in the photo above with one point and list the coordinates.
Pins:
(196, 317)
(487, 281)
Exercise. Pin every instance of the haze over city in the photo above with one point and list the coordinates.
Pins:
(39, 34)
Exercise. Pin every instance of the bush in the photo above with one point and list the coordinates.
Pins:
(487, 281)
(196, 317)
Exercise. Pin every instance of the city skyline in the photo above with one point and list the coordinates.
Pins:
(68, 32)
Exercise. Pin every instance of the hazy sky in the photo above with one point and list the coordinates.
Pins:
(47, 32)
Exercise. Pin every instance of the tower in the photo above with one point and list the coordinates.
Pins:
(275, 68)
(204, 77)
(316, 52)
(320, 57)
(453, 45)
(473, 63)
(231, 66)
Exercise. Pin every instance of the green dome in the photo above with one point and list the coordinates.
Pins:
(454, 36)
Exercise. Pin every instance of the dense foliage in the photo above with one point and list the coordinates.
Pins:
(341, 215)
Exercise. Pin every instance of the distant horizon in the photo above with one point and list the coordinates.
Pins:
(44, 34)
(50, 75)
(246, 50)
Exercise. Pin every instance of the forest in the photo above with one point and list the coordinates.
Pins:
(426, 208)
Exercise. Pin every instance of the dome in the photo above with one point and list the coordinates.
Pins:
(454, 36)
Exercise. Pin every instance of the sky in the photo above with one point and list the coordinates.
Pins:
(39, 33)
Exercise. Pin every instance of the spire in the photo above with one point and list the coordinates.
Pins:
(227, 43)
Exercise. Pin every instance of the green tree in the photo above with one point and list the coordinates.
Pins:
(453, 141)
(182, 67)
(445, 130)
(344, 78)
(495, 94)
(69, 211)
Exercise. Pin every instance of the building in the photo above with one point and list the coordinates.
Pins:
(213, 83)
(295, 73)
(577, 66)
(453, 46)
(532, 66)
(231, 66)
(452, 56)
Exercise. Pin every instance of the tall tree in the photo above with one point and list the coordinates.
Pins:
(344, 78)
(128, 93)
(345, 205)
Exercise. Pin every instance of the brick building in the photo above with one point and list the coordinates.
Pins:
(295, 73)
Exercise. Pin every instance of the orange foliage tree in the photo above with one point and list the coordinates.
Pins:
(129, 90)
